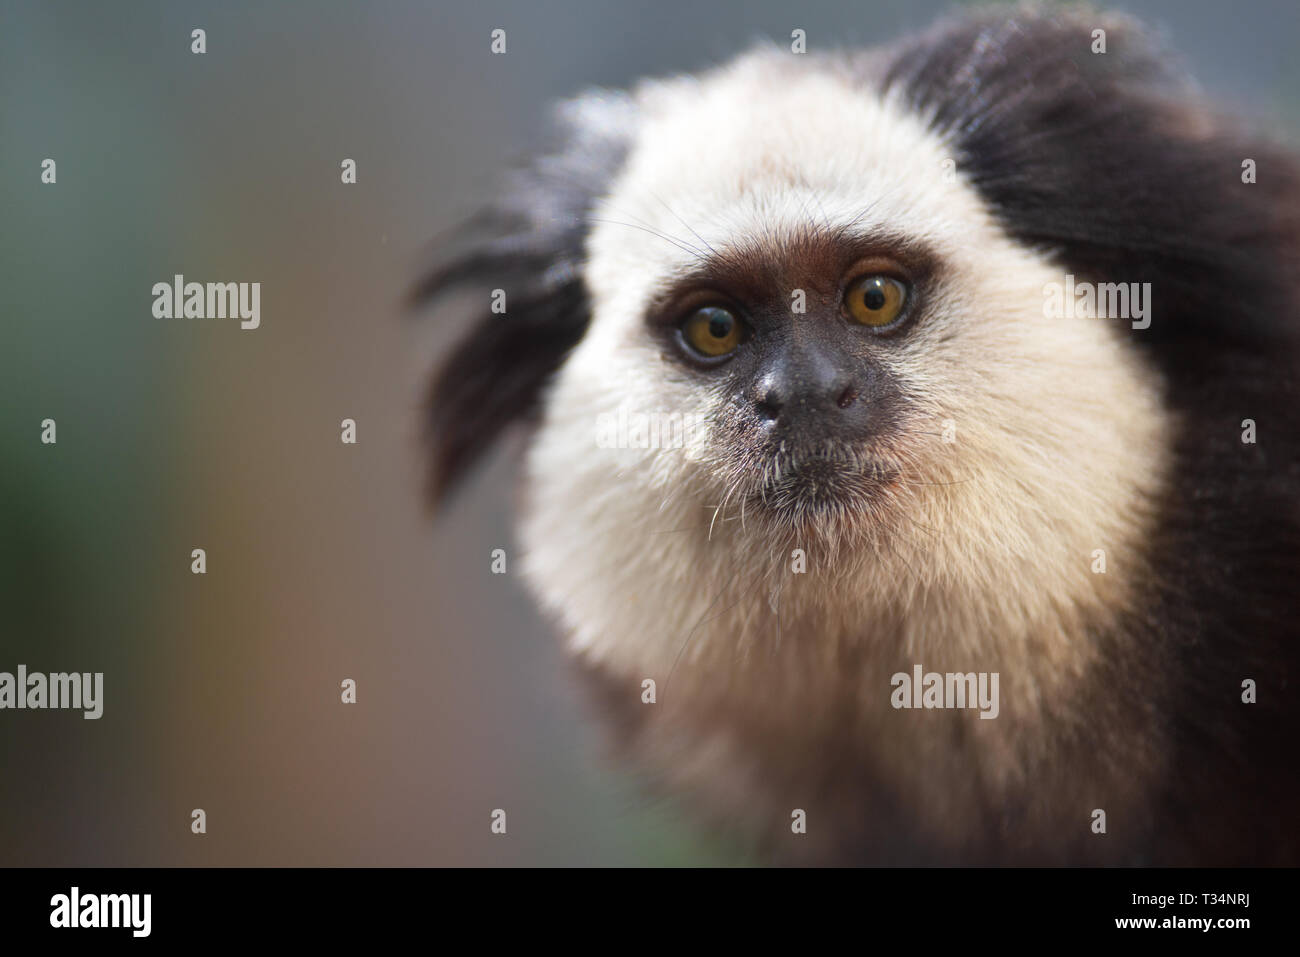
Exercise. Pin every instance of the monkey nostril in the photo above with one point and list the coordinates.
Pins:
(769, 407)
(847, 397)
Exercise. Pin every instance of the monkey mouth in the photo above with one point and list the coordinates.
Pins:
(824, 484)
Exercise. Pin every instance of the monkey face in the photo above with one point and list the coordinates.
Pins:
(794, 344)
(795, 264)
(865, 347)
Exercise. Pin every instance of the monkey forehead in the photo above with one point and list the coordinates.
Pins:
(758, 153)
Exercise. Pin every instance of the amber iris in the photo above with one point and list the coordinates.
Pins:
(875, 300)
(713, 332)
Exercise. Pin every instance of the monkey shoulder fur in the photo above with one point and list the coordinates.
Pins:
(916, 428)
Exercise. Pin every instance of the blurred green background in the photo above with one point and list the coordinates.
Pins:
(222, 690)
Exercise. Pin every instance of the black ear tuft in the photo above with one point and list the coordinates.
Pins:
(530, 244)
(1109, 162)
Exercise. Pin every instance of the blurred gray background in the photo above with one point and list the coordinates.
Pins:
(222, 690)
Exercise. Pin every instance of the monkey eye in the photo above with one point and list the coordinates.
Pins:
(711, 332)
(875, 300)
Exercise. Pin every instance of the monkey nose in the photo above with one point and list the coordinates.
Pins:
(774, 400)
(813, 400)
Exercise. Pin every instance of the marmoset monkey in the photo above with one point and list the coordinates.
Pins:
(959, 507)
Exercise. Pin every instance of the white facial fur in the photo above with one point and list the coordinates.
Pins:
(984, 562)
